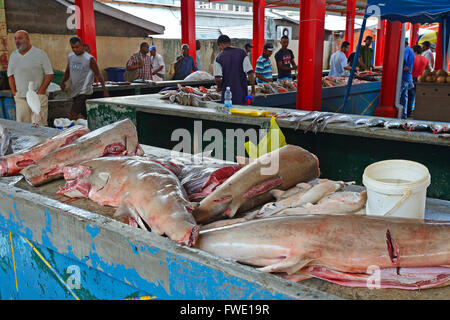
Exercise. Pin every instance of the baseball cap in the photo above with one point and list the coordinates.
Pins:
(152, 48)
(268, 47)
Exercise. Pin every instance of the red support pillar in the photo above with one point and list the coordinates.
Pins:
(87, 24)
(310, 58)
(350, 24)
(439, 63)
(414, 35)
(381, 39)
(259, 18)
(390, 67)
(188, 26)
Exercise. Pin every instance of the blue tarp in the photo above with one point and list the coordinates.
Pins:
(414, 11)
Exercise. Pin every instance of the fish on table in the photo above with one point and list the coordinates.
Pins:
(5, 141)
(346, 245)
(13, 164)
(117, 139)
(141, 189)
(249, 187)
(307, 194)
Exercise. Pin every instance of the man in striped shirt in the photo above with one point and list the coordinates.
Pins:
(142, 61)
(264, 66)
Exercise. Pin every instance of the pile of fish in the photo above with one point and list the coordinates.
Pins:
(5, 141)
(273, 212)
(190, 96)
(329, 82)
(276, 87)
(318, 121)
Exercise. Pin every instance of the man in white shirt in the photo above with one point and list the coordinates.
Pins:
(29, 64)
(427, 53)
(338, 61)
(158, 65)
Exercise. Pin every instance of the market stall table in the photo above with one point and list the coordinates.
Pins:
(52, 248)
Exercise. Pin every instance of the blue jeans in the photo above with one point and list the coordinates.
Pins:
(412, 97)
(406, 86)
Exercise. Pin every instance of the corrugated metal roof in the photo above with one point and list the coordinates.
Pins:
(143, 23)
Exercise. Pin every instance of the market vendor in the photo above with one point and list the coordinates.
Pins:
(338, 61)
(420, 65)
(141, 61)
(264, 66)
(81, 69)
(29, 64)
(427, 53)
(184, 64)
(158, 65)
(366, 54)
(285, 60)
(231, 68)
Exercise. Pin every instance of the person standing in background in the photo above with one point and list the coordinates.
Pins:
(427, 53)
(199, 60)
(29, 64)
(231, 68)
(366, 54)
(420, 65)
(285, 60)
(338, 61)
(264, 66)
(158, 65)
(141, 61)
(407, 80)
(184, 64)
(81, 70)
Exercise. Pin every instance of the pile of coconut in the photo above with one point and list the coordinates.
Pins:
(439, 76)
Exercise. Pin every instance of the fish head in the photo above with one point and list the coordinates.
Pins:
(78, 184)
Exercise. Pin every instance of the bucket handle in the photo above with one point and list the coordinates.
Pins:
(405, 197)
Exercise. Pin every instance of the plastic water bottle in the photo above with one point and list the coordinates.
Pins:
(228, 103)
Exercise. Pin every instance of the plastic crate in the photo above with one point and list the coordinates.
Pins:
(116, 74)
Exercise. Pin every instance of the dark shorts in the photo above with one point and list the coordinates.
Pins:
(79, 104)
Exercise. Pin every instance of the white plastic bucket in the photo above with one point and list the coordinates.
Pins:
(396, 188)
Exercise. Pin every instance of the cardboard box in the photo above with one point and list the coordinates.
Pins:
(432, 102)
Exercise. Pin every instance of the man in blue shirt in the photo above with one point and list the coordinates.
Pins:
(264, 66)
(407, 79)
(338, 61)
(185, 64)
(231, 69)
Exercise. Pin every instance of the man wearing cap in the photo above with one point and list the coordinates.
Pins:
(231, 68)
(142, 62)
(184, 64)
(264, 66)
(338, 61)
(366, 54)
(158, 65)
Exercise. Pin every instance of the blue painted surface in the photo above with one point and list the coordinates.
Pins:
(363, 99)
(55, 271)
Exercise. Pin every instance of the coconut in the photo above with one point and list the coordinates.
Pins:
(426, 73)
(431, 79)
(441, 79)
(420, 79)
(441, 73)
(448, 79)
